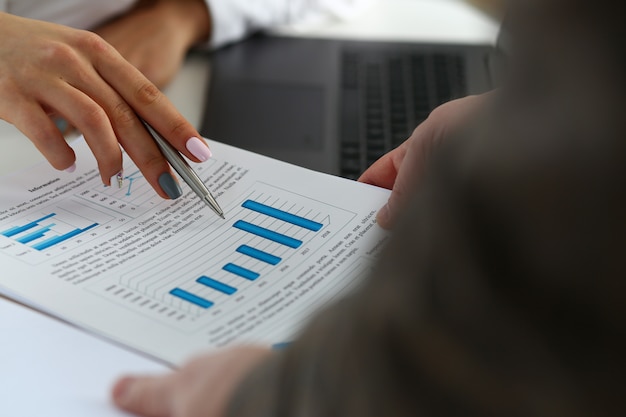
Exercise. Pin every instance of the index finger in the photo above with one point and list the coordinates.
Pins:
(147, 101)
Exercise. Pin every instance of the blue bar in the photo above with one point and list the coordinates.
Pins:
(267, 234)
(216, 285)
(58, 239)
(242, 272)
(194, 299)
(259, 254)
(19, 229)
(34, 235)
(282, 215)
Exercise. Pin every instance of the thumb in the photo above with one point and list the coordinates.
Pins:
(146, 396)
(388, 214)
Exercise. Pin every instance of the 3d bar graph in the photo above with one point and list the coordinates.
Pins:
(255, 251)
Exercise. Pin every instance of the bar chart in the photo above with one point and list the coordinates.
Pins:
(265, 234)
(39, 231)
(269, 236)
(53, 230)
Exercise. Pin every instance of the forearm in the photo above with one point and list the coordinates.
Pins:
(191, 17)
(235, 19)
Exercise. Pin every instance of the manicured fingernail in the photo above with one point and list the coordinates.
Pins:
(61, 124)
(71, 168)
(198, 149)
(170, 186)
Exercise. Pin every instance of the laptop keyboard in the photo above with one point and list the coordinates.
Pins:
(385, 98)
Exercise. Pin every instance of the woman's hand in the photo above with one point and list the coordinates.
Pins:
(48, 70)
(401, 169)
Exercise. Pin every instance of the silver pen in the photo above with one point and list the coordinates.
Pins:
(181, 166)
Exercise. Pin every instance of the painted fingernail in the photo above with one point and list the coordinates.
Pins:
(61, 124)
(198, 148)
(71, 168)
(170, 185)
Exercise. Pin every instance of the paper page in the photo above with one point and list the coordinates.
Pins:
(171, 278)
(50, 369)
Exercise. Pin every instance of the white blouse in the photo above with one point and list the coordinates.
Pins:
(232, 19)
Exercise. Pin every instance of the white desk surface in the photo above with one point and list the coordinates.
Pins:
(50, 369)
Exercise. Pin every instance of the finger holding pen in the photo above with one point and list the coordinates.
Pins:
(136, 98)
(76, 75)
(151, 105)
(185, 171)
(148, 103)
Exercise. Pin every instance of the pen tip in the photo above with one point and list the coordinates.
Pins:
(222, 216)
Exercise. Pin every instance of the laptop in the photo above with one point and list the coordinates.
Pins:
(331, 105)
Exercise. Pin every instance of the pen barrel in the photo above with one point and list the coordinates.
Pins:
(182, 167)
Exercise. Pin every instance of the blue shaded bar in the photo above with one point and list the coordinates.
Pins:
(267, 234)
(259, 254)
(194, 299)
(58, 239)
(282, 215)
(242, 272)
(34, 235)
(280, 346)
(216, 285)
(19, 229)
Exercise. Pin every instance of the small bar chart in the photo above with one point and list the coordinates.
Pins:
(44, 235)
(58, 229)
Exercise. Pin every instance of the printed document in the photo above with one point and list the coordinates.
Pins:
(171, 278)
